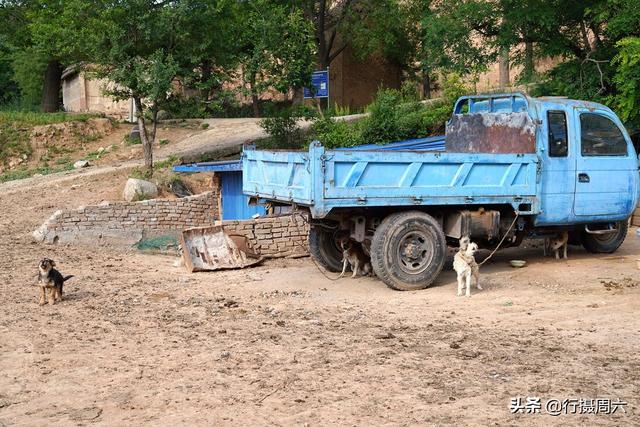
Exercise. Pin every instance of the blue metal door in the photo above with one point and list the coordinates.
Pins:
(557, 154)
(234, 202)
(606, 167)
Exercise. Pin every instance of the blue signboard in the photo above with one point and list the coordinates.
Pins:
(320, 83)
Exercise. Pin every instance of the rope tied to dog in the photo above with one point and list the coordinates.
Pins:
(501, 241)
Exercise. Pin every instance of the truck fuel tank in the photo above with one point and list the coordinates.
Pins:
(478, 224)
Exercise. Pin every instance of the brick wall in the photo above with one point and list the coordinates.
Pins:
(275, 236)
(128, 222)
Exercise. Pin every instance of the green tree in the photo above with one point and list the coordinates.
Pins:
(132, 45)
(212, 33)
(9, 90)
(627, 79)
(277, 49)
(140, 48)
(25, 63)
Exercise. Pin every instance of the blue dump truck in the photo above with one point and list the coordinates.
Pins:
(509, 167)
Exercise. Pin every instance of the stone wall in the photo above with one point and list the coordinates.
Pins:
(80, 94)
(128, 222)
(274, 236)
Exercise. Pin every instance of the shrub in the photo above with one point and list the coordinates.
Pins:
(283, 128)
(382, 125)
(141, 173)
(333, 134)
(576, 80)
(393, 118)
(397, 115)
(128, 140)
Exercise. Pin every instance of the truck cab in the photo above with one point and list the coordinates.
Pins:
(588, 163)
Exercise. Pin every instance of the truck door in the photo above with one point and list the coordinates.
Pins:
(558, 168)
(606, 168)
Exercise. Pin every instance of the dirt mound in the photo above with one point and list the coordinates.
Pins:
(67, 136)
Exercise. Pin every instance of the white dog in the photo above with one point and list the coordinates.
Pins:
(464, 263)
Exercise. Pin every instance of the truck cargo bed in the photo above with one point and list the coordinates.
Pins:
(400, 175)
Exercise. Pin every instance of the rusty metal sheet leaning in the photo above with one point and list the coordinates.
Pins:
(211, 248)
(491, 133)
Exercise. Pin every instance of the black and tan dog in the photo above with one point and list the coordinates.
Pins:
(353, 255)
(50, 279)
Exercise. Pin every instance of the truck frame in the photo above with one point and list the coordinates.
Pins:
(513, 167)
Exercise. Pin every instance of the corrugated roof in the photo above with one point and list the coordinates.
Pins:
(224, 166)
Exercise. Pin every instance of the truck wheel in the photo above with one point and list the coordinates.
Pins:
(605, 243)
(324, 249)
(408, 250)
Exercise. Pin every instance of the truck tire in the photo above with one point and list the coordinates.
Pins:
(605, 243)
(408, 250)
(324, 249)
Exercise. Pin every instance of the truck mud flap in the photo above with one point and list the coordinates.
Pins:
(212, 248)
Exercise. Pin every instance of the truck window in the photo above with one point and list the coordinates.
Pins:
(600, 136)
(558, 141)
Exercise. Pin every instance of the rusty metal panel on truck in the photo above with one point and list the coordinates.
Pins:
(491, 133)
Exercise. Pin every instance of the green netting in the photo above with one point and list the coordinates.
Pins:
(158, 243)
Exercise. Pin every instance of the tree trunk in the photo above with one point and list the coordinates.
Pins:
(323, 55)
(588, 46)
(147, 147)
(205, 90)
(505, 81)
(52, 87)
(426, 84)
(529, 67)
(298, 96)
(255, 105)
(254, 96)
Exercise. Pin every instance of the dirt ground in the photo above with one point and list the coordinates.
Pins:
(138, 341)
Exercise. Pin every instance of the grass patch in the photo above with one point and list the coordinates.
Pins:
(23, 173)
(34, 118)
(15, 131)
(63, 160)
(169, 162)
(95, 155)
(14, 141)
(132, 141)
(140, 172)
(344, 110)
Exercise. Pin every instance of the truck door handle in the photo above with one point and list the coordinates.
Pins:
(583, 177)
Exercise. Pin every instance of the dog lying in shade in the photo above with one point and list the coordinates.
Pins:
(466, 267)
(50, 280)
